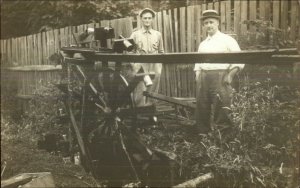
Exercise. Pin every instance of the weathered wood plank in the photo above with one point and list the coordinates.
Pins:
(22, 49)
(13, 47)
(45, 46)
(170, 100)
(198, 26)
(179, 58)
(237, 17)
(210, 6)
(166, 31)
(252, 13)
(182, 29)
(30, 49)
(295, 15)
(262, 10)
(3, 52)
(183, 45)
(190, 23)
(229, 27)
(171, 36)
(196, 181)
(276, 13)
(51, 43)
(284, 18)
(217, 6)
(176, 30)
(244, 16)
(56, 40)
(223, 16)
(40, 50)
(204, 33)
(31, 68)
(18, 51)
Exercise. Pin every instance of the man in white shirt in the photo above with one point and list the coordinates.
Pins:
(213, 81)
(148, 41)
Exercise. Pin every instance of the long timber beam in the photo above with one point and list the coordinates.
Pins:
(245, 57)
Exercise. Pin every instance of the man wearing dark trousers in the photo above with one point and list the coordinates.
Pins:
(213, 81)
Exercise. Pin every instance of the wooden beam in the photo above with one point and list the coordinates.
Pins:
(169, 99)
(262, 57)
(196, 181)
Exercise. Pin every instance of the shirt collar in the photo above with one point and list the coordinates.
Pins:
(211, 37)
(146, 31)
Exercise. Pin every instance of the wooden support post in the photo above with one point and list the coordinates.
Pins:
(296, 69)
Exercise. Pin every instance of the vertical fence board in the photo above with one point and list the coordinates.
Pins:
(237, 16)
(50, 42)
(190, 23)
(182, 30)
(62, 37)
(217, 7)
(228, 16)
(3, 52)
(176, 31)
(36, 49)
(223, 16)
(18, 51)
(22, 56)
(171, 36)
(203, 36)
(252, 13)
(167, 72)
(44, 42)
(40, 49)
(183, 46)
(29, 49)
(210, 6)
(284, 17)
(25, 50)
(276, 13)
(262, 10)
(176, 47)
(56, 40)
(244, 14)
(295, 15)
(13, 47)
(198, 25)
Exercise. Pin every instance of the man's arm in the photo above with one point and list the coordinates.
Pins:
(233, 69)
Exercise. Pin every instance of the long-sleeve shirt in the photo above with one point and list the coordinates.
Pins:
(148, 41)
(218, 43)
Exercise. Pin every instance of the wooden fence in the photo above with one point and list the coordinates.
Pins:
(181, 29)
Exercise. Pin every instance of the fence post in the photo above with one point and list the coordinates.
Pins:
(296, 68)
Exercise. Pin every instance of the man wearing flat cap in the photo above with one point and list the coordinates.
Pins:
(213, 81)
(148, 41)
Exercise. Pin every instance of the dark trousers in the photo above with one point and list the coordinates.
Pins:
(213, 99)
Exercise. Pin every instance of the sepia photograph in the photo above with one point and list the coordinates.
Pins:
(150, 93)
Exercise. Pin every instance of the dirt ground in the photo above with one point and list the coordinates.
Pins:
(24, 157)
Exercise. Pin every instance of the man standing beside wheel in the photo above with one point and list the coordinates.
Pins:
(148, 41)
(213, 81)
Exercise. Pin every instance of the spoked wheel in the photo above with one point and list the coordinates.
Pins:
(99, 103)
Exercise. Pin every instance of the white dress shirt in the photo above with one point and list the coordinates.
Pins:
(217, 43)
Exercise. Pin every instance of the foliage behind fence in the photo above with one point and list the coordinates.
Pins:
(182, 32)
